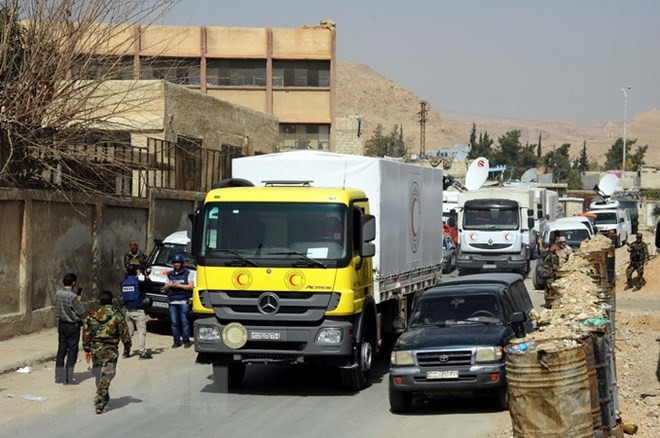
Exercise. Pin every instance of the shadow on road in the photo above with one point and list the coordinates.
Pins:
(118, 403)
(297, 380)
(456, 404)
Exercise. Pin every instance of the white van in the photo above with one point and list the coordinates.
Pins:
(581, 219)
(614, 223)
(160, 262)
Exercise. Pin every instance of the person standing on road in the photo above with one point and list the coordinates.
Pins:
(102, 331)
(69, 311)
(564, 251)
(179, 288)
(639, 256)
(133, 292)
(134, 255)
(550, 267)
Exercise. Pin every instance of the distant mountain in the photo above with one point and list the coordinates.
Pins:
(363, 91)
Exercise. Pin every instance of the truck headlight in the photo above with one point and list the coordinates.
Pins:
(517, 257)
(488, 354)
(329, 336)
(463, 257)
(208, 333)
(403, 357)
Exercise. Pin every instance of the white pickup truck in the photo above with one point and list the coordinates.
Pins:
(613, 222)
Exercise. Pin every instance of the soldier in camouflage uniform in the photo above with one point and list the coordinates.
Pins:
(550, 266)
(639, 255)
(103, 329)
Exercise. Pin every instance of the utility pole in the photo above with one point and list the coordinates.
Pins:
(422, 129)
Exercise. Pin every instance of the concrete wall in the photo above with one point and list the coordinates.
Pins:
(650, 177)
(45, 236)
(347, 140)
(215, 121)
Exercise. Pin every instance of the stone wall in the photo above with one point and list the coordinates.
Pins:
(349, 135)
(45, 236)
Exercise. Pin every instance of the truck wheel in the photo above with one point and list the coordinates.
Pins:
(400, 401)
(356, 378)
(503, 398)
(536, 281)
(227, 376)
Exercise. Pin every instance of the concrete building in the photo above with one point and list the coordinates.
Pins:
(286, 73)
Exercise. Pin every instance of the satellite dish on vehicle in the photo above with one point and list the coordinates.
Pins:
(529, 175)
(476, 174)
(607, 185)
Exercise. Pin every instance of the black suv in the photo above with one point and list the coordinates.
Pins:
(456, 337)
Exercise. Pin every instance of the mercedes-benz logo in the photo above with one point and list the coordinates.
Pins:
(443, 358)
(268, 303)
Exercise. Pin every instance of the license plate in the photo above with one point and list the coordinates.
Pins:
(265, 336)
(159, 304)
(434, 375)
(489, 266)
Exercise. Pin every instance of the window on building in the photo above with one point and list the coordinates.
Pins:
(236, 72)
(301, 73)
(181, 71)
(304, 136)
(103, 67)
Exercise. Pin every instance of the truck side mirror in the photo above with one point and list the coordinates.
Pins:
(452, 222)
(530, 222)
(195, 227)
(530, 212)
(518, 320)
(657, 235)
(367, 234)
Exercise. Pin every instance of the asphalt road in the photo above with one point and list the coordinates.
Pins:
(172, 396)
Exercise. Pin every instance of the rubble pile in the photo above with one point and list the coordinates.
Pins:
(596, 243)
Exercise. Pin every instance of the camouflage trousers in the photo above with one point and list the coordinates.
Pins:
(632, 267)
(104, 368)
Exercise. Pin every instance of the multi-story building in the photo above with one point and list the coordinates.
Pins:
(287, 73)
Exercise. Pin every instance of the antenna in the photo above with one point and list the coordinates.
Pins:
(476, 174)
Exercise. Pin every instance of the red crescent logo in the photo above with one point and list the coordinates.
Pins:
(239, 279)
(412, 217)
(473, 236)
(292, 280)
(481, 163)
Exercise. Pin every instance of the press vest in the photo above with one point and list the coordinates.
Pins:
(130, 292)
(176, 293)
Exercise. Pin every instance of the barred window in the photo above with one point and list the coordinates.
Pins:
(301, 73)
(236, 72)
(181, 71)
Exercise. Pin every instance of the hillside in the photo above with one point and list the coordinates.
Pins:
(363, 91)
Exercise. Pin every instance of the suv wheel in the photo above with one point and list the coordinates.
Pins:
(503, 398)
(400, 401)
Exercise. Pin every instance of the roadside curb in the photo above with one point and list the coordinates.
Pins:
(8, 368)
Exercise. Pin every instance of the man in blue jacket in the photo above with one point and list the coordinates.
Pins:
(133, 293)
(179, 286)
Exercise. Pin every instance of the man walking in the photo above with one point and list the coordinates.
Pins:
(69, 311)
(639, 256)
(102, 331)
(133, 293)
(179, 288)
(135, 255)
(550, 266)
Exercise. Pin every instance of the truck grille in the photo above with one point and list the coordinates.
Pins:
(441, 358)
(285, 307)
(493, 246)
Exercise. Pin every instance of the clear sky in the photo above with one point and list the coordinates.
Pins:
(523, 59)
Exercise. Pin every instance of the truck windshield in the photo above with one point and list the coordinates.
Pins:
(291, 232)
(605, 218)
(490, 219)
(459, 309)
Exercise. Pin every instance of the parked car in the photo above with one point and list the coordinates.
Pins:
(614, 223)
(630, 204)
(575, 232)
(449, 254)
(456, 336)
(160, 262)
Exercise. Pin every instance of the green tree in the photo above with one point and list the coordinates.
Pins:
(559, 161)
(381, 145)
(614, 156)
(583, 159)
(482, 147)
(509, 153)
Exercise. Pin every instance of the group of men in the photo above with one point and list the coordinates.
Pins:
(104, 328)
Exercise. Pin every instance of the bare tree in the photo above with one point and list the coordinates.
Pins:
(57, 62)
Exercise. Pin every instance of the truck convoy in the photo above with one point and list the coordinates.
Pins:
(309, 258)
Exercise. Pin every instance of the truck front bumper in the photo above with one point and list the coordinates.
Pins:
(245, 342)
(479, 262)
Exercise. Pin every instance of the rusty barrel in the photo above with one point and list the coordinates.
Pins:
(590, 361)
(602, 348)
(549, 394)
